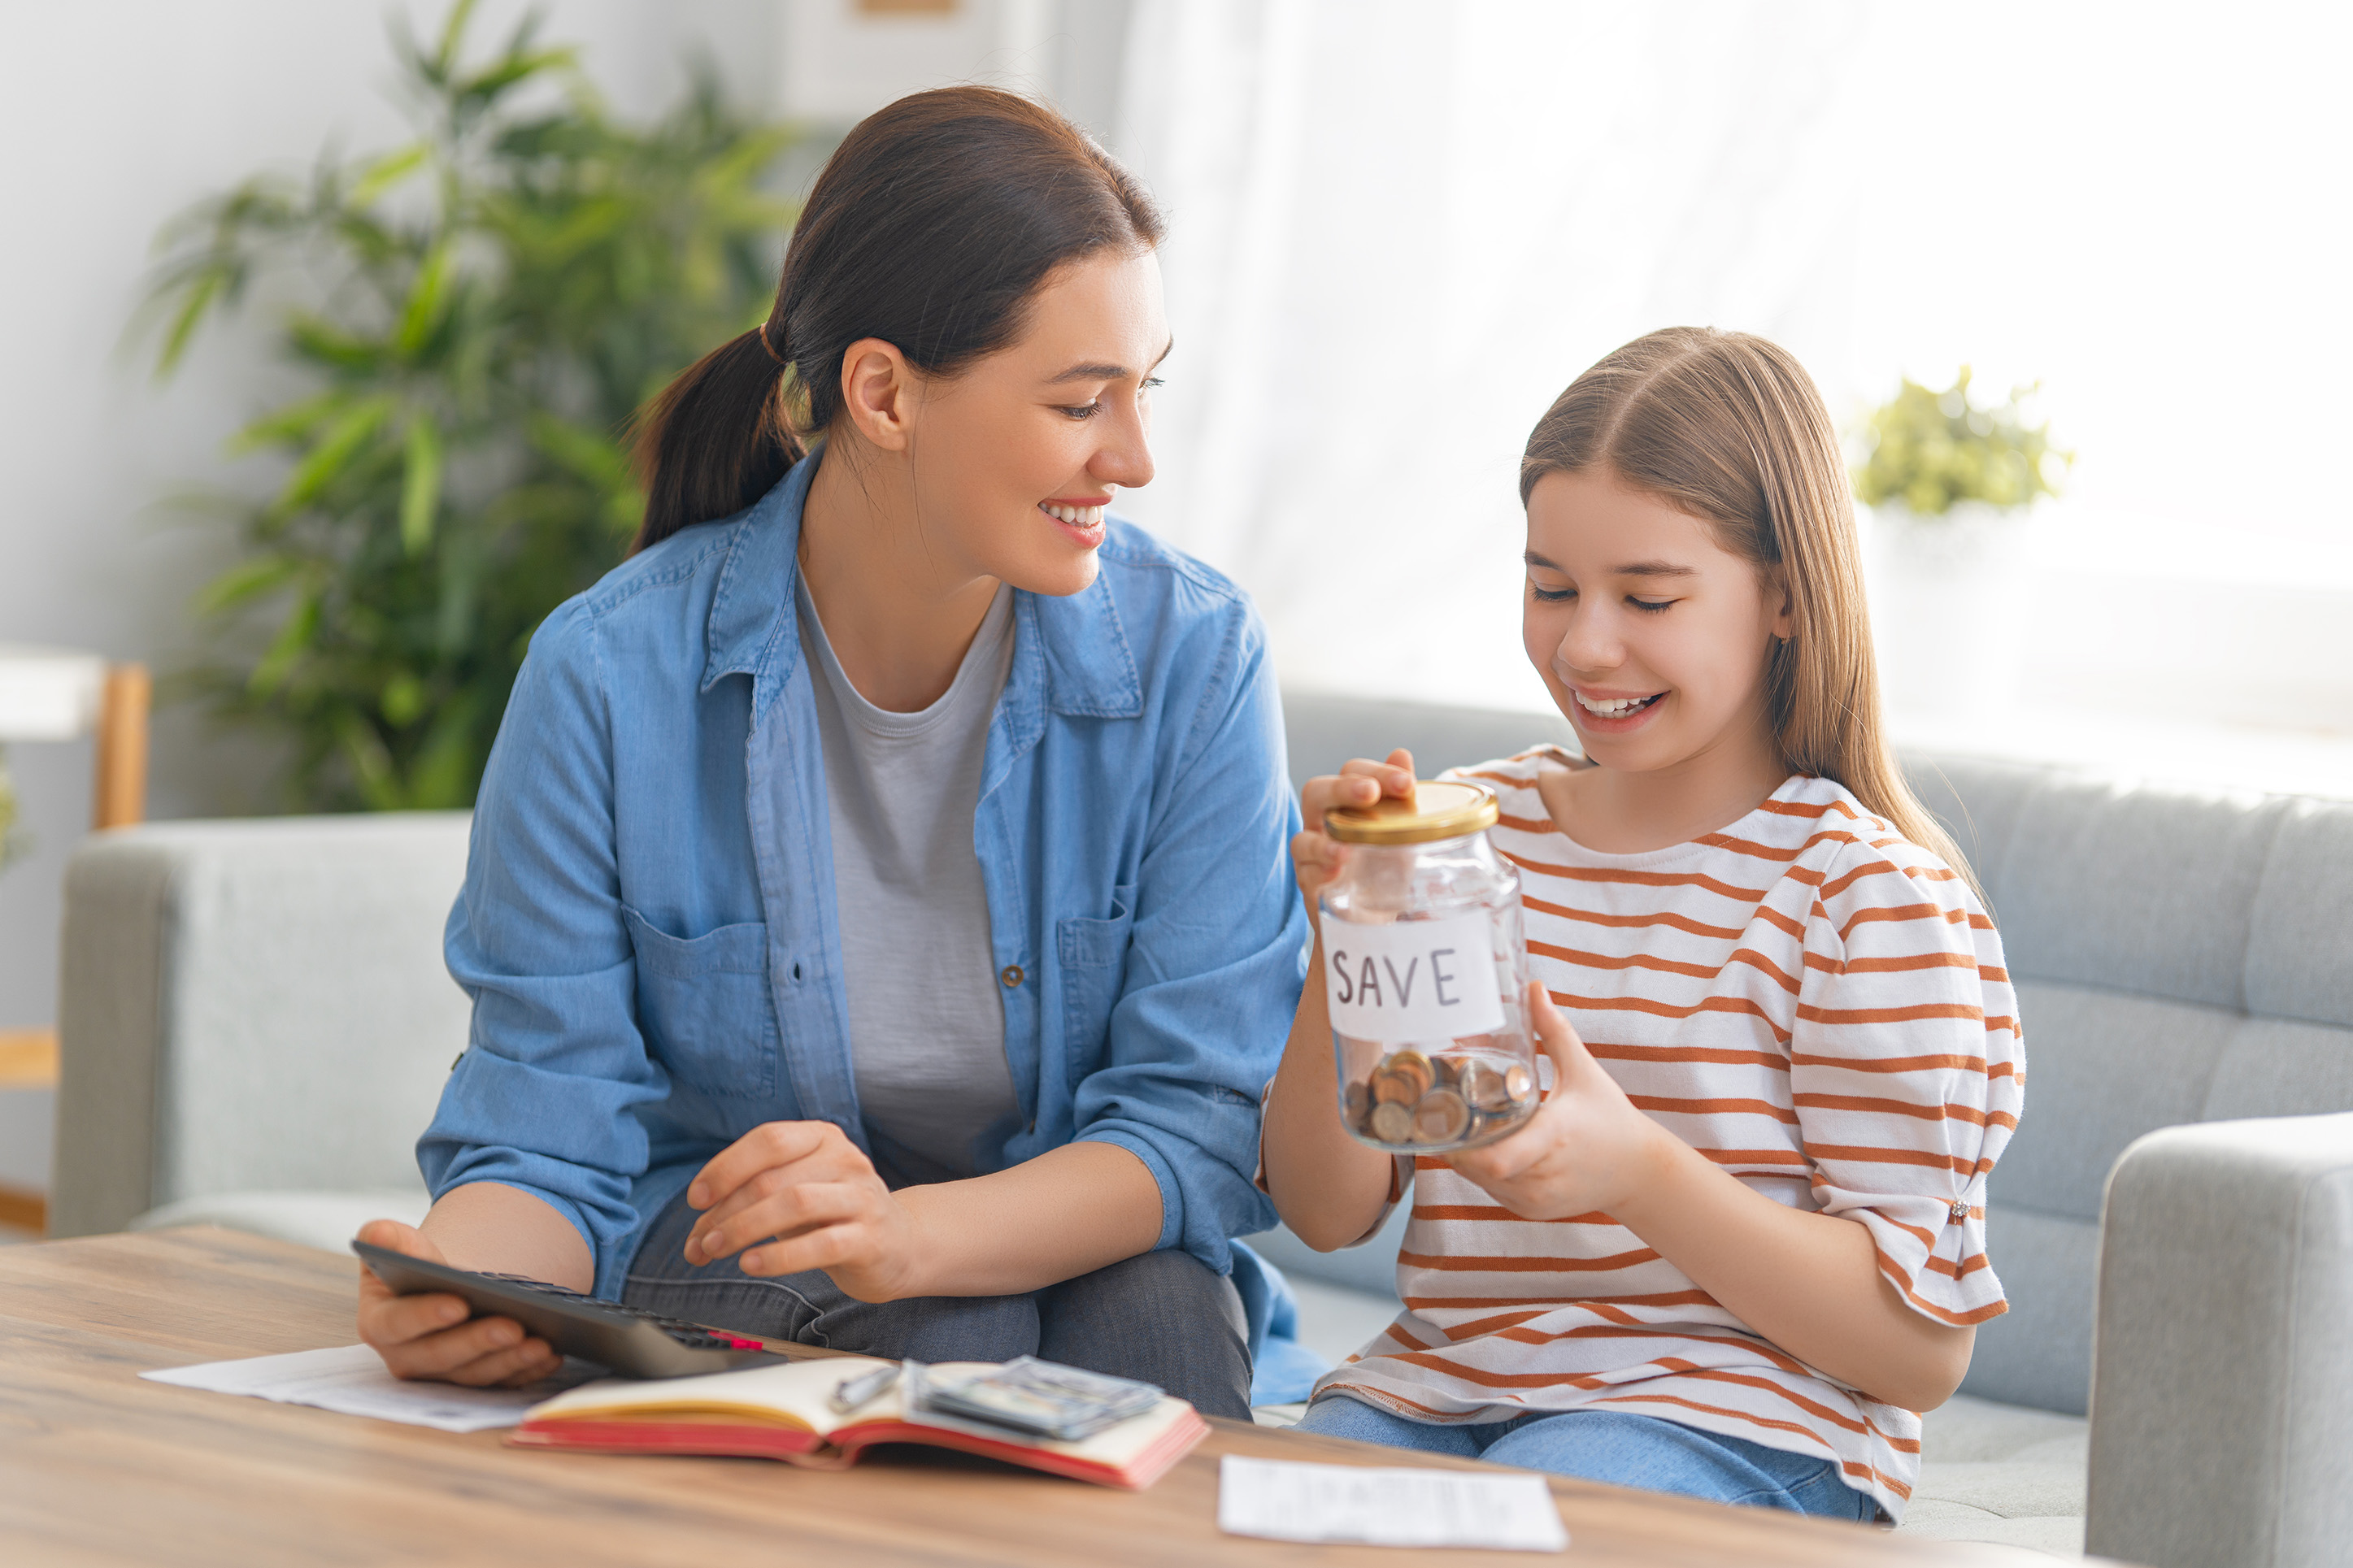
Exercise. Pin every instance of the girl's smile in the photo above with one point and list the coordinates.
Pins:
(1611, 713)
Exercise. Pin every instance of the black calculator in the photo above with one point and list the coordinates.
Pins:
(628, 1339)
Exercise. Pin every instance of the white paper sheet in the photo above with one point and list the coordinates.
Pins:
(1283, 1501)
(352, 1378)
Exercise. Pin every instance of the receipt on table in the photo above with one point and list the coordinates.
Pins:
(351, 1379)
(1282, 1500)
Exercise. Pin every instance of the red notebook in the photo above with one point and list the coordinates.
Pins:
(781, 1412)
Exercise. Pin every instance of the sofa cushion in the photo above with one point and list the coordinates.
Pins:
(1997, 1473)
(2103, 1067)
(2088, 876)
(2039, 1352)
(2278, 1067)
(2296, 953)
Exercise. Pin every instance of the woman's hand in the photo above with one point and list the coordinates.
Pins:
(1315, 856)
(428, 1336)
(800, 1195)
(1585, 1151)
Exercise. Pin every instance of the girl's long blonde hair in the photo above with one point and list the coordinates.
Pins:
(1730, 428)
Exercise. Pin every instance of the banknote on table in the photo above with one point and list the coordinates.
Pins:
(1042, 1397)
(1281, 1499)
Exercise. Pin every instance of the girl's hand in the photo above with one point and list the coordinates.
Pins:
(1583, 1151)
(428, 1336)
(800, 1195)
(1315, 857)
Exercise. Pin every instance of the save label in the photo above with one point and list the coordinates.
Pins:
(1412, 980)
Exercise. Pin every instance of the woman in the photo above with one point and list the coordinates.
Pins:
(876, 916)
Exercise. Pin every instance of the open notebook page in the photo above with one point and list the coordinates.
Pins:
(795, 1393)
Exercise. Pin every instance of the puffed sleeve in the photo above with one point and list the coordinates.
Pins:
(1907, 1069)
(543, 1098)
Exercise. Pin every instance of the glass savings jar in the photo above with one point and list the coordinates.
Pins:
(1425, 974)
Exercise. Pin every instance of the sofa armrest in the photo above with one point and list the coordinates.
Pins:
(109, 1001)
(2222, 1368)
(252, 1005)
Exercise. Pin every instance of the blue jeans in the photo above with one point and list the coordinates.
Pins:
(1625, 1450)
(1160, 1317)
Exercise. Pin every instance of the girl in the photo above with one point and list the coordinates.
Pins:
(877, 920)
(1743, 1241)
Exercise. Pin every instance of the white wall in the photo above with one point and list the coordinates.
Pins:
(840, 61)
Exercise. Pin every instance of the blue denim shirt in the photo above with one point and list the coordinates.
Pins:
(647, 925)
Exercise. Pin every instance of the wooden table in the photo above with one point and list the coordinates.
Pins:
(98, 1466)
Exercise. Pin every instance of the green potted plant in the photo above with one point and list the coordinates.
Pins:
(1949, 479)
(479, 314)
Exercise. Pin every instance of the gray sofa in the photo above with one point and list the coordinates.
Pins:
(256, 1024)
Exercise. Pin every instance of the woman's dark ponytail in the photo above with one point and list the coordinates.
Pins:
(930, 228)
(717, 440)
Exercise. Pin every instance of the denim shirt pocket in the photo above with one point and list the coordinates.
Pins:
(703, 1004)
(1093, 955)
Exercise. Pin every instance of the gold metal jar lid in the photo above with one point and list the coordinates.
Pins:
(1441, 809)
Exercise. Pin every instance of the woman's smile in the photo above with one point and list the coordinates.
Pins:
(1080, 517)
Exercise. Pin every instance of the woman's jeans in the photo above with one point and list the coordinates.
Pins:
(1622, 1449)
(1161, 1317)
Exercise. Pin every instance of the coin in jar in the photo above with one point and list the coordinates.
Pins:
(1446, 1072)
(1412, 1070)
(1391, 1123)
(1391, 1087)
(1518, 1081)
(1482, 1086)
(1441, 1117)
(1356, 1101)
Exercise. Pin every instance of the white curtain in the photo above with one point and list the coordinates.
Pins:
(1398, 229)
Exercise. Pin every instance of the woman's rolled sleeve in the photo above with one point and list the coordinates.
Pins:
(543, 1098)
(1213, 973)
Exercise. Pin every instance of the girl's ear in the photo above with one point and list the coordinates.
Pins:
(1777, 596)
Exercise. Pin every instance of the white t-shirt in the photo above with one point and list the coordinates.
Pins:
(1818, 1006)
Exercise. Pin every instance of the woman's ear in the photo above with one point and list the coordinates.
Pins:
(877, 393)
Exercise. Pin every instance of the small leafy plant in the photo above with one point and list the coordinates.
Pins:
(1930, 450)
(482, 311)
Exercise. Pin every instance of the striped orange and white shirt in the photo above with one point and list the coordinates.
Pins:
(1815, 1005)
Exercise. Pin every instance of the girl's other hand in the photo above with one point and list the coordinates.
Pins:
(430, 1337)
(1583, 1151)
(799, 1196)
(1315, 856)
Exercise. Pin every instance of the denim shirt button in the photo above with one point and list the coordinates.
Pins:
(1011, 976)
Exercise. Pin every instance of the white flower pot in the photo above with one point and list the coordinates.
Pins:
(1948, 609)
